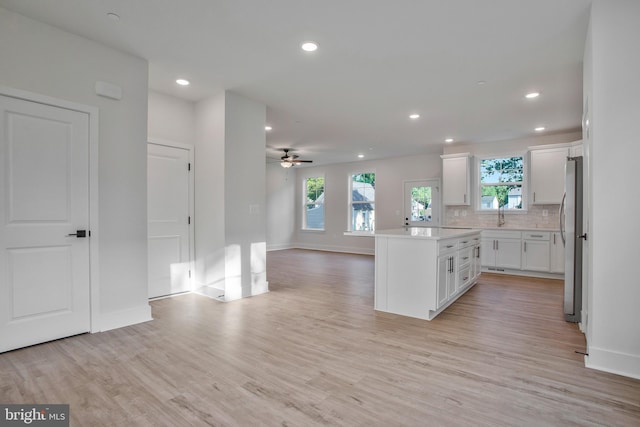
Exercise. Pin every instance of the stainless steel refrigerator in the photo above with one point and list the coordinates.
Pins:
(572, 235)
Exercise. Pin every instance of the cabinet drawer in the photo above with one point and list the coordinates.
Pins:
(464, 276)
(445, 246)
(501, 234)
(536, 235)
(465, 242)
(465, 256)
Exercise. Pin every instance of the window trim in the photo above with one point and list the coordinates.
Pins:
(350, 201)
(525, 183)
(303, 226)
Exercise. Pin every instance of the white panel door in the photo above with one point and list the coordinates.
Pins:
(44, 189)
(168, 220)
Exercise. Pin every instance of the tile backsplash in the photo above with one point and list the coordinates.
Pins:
(534, 218)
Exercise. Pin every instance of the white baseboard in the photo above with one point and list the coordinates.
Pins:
(614, 362)
(127, 317)
(341, 249)
(527, 273)
(280, 247)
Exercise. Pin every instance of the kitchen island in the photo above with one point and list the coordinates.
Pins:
(420, 271)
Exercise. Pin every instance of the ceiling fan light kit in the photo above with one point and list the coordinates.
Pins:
(289, 160)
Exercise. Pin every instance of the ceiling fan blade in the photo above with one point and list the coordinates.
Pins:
(301, 161)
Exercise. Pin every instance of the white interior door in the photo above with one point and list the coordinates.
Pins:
(422, 203)
(168, 219)
(44, 188)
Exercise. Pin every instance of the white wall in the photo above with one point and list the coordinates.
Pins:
(171, 119)
(230, 199)
(513, 145)
(42, 59)
(613, 68)
(281, 206)
(209, 193)
(390, 175)
(245, 200)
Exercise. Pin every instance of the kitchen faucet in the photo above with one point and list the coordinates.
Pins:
(500, 216)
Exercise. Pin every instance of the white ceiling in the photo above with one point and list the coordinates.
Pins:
(378, 61)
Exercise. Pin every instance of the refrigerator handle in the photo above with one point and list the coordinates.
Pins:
(561, 214)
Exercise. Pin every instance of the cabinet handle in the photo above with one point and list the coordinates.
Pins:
(464, 198)
(465, 279)
(554, 239)
(536, 235)
(449, 246)
(465, 258)
(497, 245)
(466, 241)
(534, 196)
(525, 246)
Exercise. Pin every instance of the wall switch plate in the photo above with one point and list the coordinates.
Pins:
(464, 212)
(545, 212)
(456, 213)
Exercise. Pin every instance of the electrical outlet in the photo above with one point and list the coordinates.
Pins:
(545, 212)
(456, 213)
(464, 212)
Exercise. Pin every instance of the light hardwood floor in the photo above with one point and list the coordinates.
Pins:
(314, 352)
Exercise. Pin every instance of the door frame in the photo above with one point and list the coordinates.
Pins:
(438, 209)
(93, 113)
(192, 235)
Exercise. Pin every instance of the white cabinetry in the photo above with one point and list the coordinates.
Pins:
(547, 175)
(535, 251)
(447, 261)
(501, 250)
(420, 277)
(456, 179)
(556, 256)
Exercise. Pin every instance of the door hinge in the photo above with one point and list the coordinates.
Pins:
(189, 220)
(189, 274)
(188, 166)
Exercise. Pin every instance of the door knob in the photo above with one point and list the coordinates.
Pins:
(79, 234)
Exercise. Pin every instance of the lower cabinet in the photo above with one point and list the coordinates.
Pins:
(501, 249)
(446, 278)
(556, 256)
(535, 251)
(528, 250)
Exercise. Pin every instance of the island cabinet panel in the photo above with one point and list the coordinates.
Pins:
(420, 272)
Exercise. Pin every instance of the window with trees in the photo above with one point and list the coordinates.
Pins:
(362, 188)
(501, 183)
(313, 211)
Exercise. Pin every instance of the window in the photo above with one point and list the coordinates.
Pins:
(362, 204)
(313, 211)
(501, 183)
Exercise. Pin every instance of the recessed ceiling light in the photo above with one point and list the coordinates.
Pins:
(182, 82)
(532, 95)
(360, 156)
(414, 116)
(539, 129)
(448, 140)
(268, 128)
(113, 16)
(309, 46)
(481, 82)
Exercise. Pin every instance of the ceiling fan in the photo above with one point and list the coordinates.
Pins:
(289, 160)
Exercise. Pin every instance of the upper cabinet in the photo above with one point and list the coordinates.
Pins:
(456, 179)
(547, 175)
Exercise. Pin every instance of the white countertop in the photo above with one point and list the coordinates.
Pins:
(432, 233)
